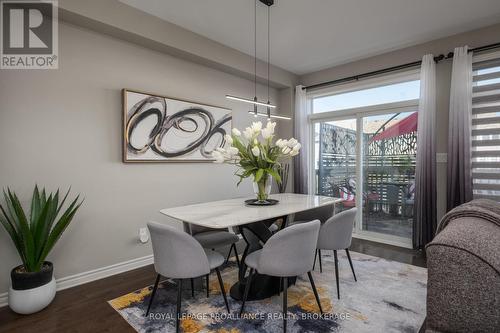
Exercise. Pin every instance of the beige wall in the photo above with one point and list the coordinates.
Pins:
(120, 20)
(62, 128)
(474, 38)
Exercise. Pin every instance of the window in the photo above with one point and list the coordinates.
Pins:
(486, 129)
(365, 151)
(391, 93)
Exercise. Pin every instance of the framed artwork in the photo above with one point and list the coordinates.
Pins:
(161, 129)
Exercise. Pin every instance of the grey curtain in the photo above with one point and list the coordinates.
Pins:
(424, 224)
(459, 134)
(302, 132)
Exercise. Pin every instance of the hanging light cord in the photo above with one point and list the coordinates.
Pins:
(268, 56)
(255, 111)
(255, 49)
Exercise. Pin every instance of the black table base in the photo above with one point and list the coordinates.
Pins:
(263, 286)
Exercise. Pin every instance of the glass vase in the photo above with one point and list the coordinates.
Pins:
(262, 188)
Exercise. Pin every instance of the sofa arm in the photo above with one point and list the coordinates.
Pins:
(463, 290)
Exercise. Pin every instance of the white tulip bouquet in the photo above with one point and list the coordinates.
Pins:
(255, 153)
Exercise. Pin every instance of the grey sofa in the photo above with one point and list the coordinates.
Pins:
(463, 261)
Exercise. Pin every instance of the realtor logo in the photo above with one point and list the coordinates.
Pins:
(29, 38)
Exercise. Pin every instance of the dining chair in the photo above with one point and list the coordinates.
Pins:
(179, 256)
(336, 234)
(214, 238)
(322, 214)
(287, 253)
(210, 238)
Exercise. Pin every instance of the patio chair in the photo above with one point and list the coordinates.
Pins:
(348, 196)
(392, 198)
(408, 200)
(348, 193)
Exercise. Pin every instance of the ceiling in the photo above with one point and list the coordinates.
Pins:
(311, 35)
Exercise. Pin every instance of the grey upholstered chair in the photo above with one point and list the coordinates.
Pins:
(322, 214)
(287, 253)
(210, 239)
(179, 256)
(336, 234)
(213, 238)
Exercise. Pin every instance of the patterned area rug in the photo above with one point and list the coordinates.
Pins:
(388, 297)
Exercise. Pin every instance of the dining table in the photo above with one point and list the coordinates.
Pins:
(252, 222)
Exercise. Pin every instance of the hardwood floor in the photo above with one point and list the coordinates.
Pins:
(85, 309)
(390, 252)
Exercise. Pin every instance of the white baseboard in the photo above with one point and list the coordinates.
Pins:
(95, 274)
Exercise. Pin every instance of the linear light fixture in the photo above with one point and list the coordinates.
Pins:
(254, 101)
(260, 114)
(251, 101)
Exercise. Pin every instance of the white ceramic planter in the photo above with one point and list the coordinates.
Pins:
(32, 300)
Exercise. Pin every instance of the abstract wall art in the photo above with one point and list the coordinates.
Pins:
(161, 129)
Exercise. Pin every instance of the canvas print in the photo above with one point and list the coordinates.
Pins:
(162, 129)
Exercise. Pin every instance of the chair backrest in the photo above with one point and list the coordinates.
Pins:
(194, 229)
(177, 254)
(336, 233)
(322, 214)
(392, 194)
(290, 252)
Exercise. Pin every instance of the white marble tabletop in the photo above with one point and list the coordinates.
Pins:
(234, 212)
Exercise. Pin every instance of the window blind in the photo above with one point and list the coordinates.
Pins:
(486, 129)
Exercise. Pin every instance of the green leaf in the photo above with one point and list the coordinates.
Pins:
(241, 148)
(274, 174)
(35, 205)
(25, 232)
(58, 229)
(63, 201)
(12, 231)
(43, 225)
(258, 175)
(34, 238)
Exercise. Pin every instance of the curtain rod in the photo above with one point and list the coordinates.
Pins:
(396, 68)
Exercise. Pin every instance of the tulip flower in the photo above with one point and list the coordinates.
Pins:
(256, 151)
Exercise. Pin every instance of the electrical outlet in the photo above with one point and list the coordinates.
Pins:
(143, 235)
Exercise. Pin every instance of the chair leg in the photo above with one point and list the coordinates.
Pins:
(315, 258)
(247, 289)
(350, 263)
(223, 291)
(320, 264)
(192, 287)
(285, 307)
(315, 292)
(153, 293)
(336, 272)
(229, 253)
(178, 317)
(208, 286)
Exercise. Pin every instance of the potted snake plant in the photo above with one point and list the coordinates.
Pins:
(34, 234)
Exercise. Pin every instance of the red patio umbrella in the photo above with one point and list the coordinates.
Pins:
(405, 126)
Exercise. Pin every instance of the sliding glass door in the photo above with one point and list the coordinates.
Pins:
(369, 161)
(388, 171)
(365, 143)
(335, 160)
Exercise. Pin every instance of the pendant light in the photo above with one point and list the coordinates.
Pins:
(255, 101)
